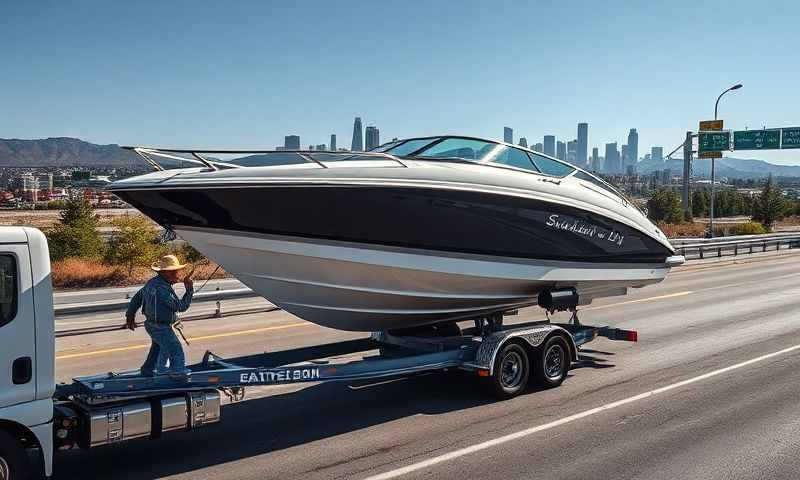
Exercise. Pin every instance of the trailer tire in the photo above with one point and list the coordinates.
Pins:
(13, 463)
(552, 362)
(511, 372)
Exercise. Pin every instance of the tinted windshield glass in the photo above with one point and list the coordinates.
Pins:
(512, 157)
(385, 147)
(410, 146)
(550, 166)
(597, 181)
(465, 148)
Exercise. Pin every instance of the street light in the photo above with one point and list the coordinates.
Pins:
(711, 213)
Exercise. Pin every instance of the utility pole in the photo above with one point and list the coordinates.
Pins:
(687, 169)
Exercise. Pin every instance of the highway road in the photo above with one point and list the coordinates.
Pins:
(711, 390)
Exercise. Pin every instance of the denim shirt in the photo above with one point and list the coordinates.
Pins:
(159, 302)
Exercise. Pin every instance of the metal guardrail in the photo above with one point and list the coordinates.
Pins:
(122, 303)
(739, 246)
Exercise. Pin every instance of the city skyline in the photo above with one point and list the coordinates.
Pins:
(77, 72)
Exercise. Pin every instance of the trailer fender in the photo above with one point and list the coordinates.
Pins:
(532, 337)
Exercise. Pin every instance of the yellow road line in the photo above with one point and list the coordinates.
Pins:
(203, 337)
(660, 297)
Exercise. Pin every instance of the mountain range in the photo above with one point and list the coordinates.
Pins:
(69, 152)
(63, 152)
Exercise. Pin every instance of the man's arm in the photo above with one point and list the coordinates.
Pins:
(133, 306)
(168, 297)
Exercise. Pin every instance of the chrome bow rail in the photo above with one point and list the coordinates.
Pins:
(198, 156)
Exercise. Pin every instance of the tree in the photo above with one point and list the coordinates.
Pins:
(699, 203)
(76, 233)
(134, 242)
(665, 206)
(770, 205)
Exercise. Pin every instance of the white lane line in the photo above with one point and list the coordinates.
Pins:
(587, 413)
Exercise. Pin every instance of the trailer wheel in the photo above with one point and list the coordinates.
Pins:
(511, 372)
(13, 464)
(552, 362)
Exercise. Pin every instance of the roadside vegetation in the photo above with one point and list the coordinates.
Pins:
(766, 210)
(82, 258)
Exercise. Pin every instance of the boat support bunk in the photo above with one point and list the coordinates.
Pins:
(504, 356)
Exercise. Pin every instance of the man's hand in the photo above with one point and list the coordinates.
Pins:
(188, 283)
(130, 323)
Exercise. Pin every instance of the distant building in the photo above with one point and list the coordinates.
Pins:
(624, 154)
(523, 142)
(633, 147)
(539, 147)
(561, 150)
(291, 142)
(666, 176)
(508, 135)
(372, 137)
(572, 151)
(612, 163)
(358, 140)
(583, 144)
(657, 154)
(321, 147)
(311, 147)
(596, 166)
(333, 142)
(550, 145)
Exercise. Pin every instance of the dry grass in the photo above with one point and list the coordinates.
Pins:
(791, 221)
(73, 273)
(680, 230)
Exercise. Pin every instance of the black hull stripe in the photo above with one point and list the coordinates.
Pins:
(468, 222)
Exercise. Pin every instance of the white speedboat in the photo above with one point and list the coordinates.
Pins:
(420, 231)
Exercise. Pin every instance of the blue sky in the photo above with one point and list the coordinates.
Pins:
(244, 74)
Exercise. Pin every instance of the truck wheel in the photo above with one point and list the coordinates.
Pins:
(552, 362)
(13, 464)
(511, 372)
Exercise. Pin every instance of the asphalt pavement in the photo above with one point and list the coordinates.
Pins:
(710, 391)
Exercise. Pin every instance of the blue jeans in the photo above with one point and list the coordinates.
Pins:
(164, 346)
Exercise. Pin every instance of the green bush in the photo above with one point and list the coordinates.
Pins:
(133, 243)
(665, 206)
(76, 233)
(190, 254)
(750, 228)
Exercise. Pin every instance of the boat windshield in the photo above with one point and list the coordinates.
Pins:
(409, 146)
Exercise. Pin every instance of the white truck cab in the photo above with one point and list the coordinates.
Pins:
(27, 358)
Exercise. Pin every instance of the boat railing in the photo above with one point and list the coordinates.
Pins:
(198, 156)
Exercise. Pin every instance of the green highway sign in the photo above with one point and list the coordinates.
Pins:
(713, 141)
(791, 138)
(757, 139)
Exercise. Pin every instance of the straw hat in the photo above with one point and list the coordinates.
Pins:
(168, 262)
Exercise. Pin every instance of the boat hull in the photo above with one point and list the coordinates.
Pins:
(350, 286)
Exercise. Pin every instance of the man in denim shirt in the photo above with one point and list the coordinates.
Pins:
(160, 304)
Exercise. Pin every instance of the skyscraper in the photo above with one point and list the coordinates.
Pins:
(561, 150)
(625, 160)
(612, 159)
(538, 148)
(550, 145)
(572, 147)
(583, 144)
(657, 154)
(291, 142)
(523, 142)
(372, 137)
(358, 142)
(508, 134)
(596, 166)
(633, 147)
(333, 142)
